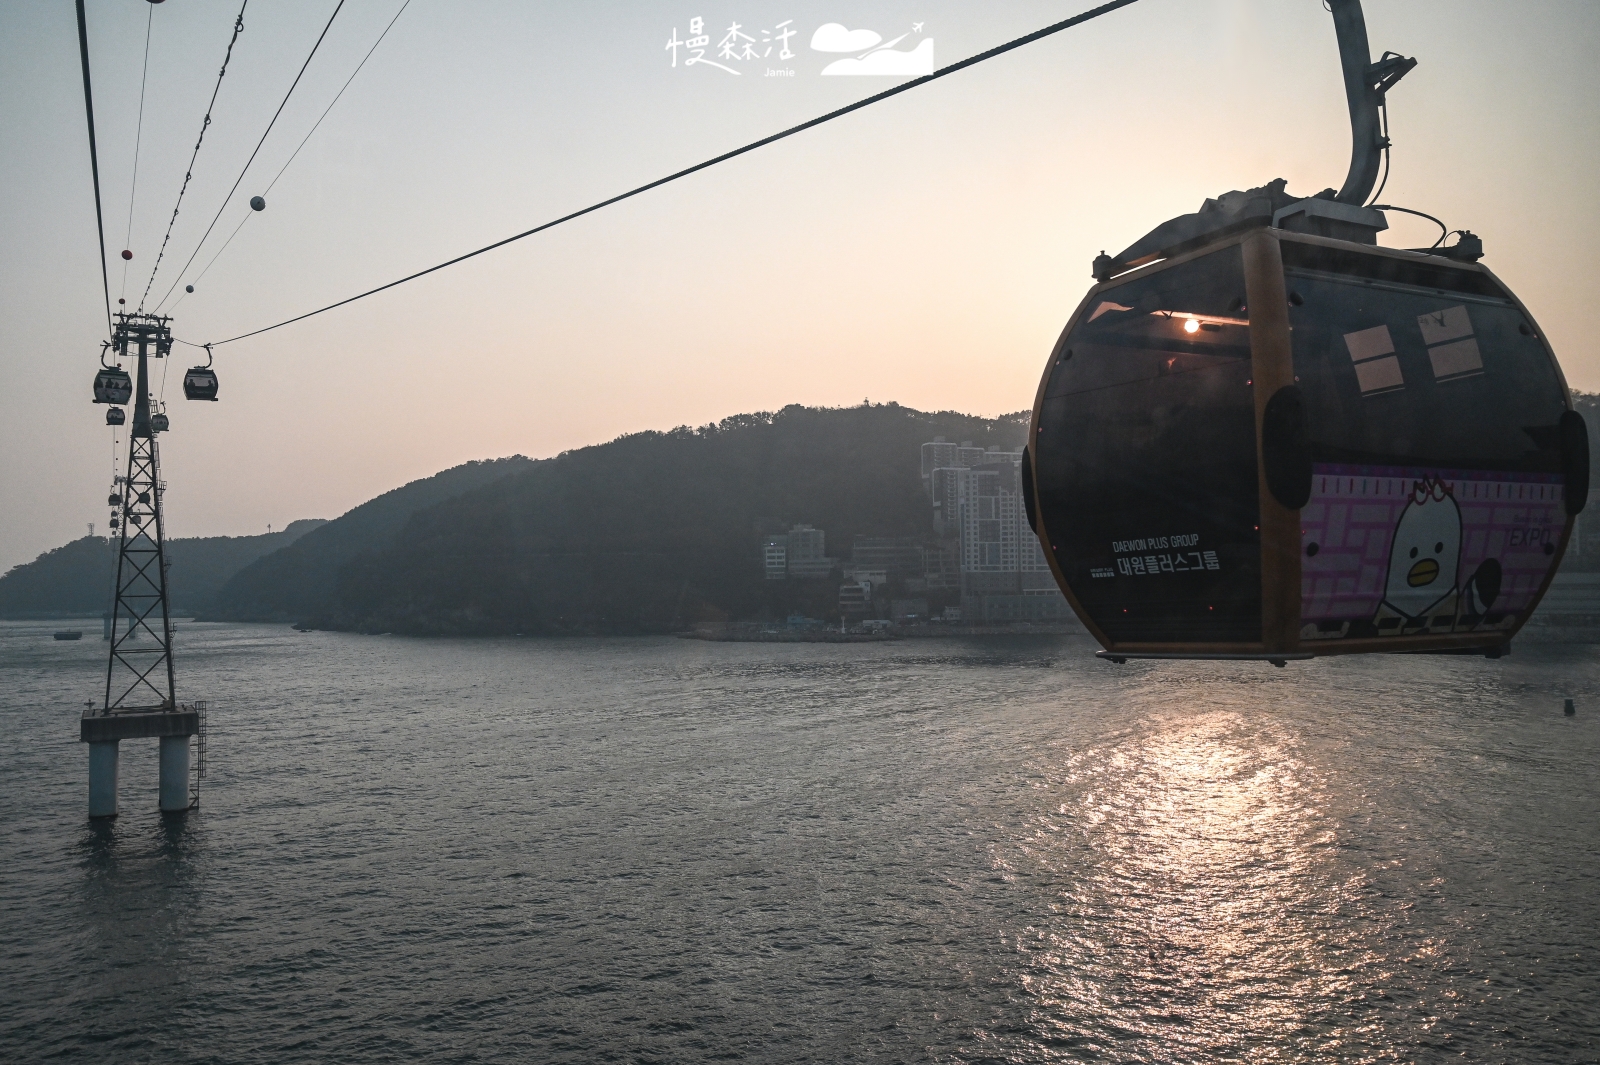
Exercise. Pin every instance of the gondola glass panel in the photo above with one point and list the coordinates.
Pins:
(1146, 457)
(1433, 414)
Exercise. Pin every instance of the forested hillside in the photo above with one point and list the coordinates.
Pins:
(301, 580)
(651, 530)
(76, 577)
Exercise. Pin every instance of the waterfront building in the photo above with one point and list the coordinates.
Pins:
(855, 598)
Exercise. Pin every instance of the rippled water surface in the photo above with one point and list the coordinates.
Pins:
(665, 850)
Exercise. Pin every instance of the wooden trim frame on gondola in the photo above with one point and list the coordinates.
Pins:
(1272, 368)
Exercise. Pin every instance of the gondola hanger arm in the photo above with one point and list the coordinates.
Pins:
(1365, 84)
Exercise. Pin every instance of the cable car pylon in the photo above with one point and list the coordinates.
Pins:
(140, 700)
(1263, 436)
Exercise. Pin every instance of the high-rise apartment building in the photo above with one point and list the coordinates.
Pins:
(987, 500)
(940, 457)
(1004, 573)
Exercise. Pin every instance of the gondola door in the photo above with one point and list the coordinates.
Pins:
(1144, 459)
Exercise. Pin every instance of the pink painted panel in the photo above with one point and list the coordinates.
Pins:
(1414, 545)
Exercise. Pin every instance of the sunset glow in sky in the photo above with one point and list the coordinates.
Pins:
(925, 250)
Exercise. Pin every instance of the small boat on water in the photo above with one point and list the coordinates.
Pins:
(69, 635)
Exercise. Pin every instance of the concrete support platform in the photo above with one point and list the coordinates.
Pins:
(138, 725)
(103, 733)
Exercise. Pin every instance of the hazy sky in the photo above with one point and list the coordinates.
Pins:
(926, 250)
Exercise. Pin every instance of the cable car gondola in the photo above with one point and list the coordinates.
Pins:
(112, 385)
(158, 423)
(1263, 436)
(200, 383)
(115, 416)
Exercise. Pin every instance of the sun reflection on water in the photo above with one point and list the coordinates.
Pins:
(1195, 898)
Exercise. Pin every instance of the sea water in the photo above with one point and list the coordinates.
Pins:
(661, 850)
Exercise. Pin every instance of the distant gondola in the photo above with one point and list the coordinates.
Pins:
(112, 385)
(1263, 436)
(200, 383)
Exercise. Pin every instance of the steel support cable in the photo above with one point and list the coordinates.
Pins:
(337, 8)
(1103, 9)
(250, 214)
(238, 28)
(138, 137)
(94, 157)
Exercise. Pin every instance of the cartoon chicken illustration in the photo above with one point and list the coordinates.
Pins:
(1421, 593)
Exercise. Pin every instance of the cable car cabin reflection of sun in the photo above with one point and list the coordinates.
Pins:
(1284, 443)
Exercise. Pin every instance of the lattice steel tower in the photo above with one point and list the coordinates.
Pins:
(140, 694)
(139, 674)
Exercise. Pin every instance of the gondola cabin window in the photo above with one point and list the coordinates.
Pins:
(1147, 456)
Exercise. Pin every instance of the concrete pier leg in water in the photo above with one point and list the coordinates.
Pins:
(103, 731)
(174, 773)
(103, 779)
